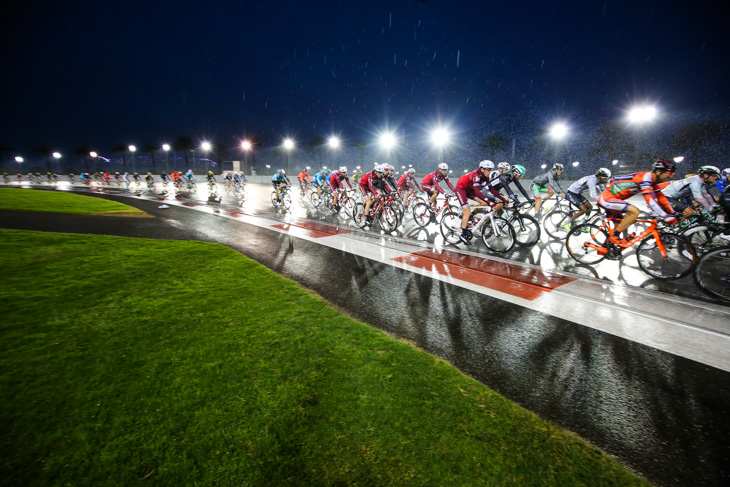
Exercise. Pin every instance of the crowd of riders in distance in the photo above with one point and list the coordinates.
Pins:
(708, 189)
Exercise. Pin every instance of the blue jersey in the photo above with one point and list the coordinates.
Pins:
(278, 178)
(319, 178)
(721, 184)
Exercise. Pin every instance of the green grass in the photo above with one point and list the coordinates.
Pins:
(58, 202)
(130, 361)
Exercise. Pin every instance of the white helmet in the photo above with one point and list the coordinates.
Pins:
(504, 165)
(388, 167)
(443, 165)
(486, 164)
(606, 173)
(343, 169)
(412, 171)
(379, 168)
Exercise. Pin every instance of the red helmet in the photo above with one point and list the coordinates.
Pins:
(664, 165)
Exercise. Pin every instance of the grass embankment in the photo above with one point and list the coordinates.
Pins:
(186, 363)
(58, 202)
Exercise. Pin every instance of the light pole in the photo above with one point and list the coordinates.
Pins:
(206, 149)
(57, 156)
(558, 132)
(387, 141)
(640, 116)
(288, 146)
(245, 146)
(19, 160)
(133, 149)
(334, 144)
(440, 137)
(166, 148)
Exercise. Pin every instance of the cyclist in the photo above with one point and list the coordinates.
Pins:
(357, 176)
(682, 192)
(469, 187)
(228, 179)
(431, 182)
(278, 180)
(513, 176)
(210, 177)
(371, 184)
(303, 177)
(239, 178)
(407, 183)
(389, 182)
(502, 168)
(547, 182)
(621, 188)
(724, 181)
(575, 193)
(189, 177)
(320, 180)
(335, 180)
(150, 179)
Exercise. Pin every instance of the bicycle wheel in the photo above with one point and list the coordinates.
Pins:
(554, 224)
(422, 214)
(451, 227)
(315, 199)
(286, 200)
(346, 209)
(358, 215)
(700, 236)
(498, 235)
(712, 274)
(388, 219)
(681, 257)
(585, 244)
(274, 201)
(400, 210)
(527, 230)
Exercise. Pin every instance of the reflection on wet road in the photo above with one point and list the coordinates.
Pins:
(641, 374)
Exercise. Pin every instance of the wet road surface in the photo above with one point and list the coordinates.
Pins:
(662, 411)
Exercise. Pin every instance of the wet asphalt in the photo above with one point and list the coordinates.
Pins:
(663, 416)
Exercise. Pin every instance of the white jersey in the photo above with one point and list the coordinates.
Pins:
(588, 182)
(690, 186)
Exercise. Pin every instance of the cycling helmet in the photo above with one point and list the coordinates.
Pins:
(444, 166)
(379, 168)
(486, 165)
(412, 171)
(305, 170)
(664, 165)
(559, 166)
(726, 171)
(504, 165)
(116, 173)
(603, 172)
(327, 171)
(388, 167)
(711, 170)
(343, 169)
(210, 172)
(279, 171)
(519, 169)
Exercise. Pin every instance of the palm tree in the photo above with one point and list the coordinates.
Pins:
(83, 151)
(121, 149)
(151, 149)
(185, 145)
(692, 136)
(493, 142)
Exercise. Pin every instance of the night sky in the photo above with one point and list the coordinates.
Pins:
(100, 73)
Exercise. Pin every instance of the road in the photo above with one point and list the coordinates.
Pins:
(636, 367)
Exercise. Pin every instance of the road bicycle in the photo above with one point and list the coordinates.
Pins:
(526, 227)
(423, 213)
(712, 273)
(496, 232)
(379, 211)
(284, 199)
(660, 254)
(557, 222)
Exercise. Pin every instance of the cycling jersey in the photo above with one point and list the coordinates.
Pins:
(548, 179)
(692, 186)
(503, 180)
(588, 182)
(335, 179)
(468, 187)
(407, 182)
(431, 182)
(304, 175)
(370, 183)
(320, 178)
(279, 179)
(621, 188)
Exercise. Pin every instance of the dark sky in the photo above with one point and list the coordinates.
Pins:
(99, 73)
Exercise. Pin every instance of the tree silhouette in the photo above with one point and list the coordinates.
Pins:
(185, 144)
(493, 142)
(45, 150)
(151, 149)
(83, 151)
(122, 150)
(610, 141)
(691, 137)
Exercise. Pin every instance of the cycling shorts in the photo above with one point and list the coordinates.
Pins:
(681, 204)
(613, 205)
(575, 198)
(537, 190)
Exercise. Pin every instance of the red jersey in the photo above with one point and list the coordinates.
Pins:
(624, 187)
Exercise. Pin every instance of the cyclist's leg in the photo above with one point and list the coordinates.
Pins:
(537, 191)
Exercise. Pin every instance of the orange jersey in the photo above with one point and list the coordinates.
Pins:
(624, 187)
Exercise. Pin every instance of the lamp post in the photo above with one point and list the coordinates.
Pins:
(245, 146)
(387, 141)
(166, 148)
(440, 137)
(57, 156)
(558, 132)
(19, 160)
(206, 147)
(133, 149)
(641, 116)
(334, 143)
(288, 146)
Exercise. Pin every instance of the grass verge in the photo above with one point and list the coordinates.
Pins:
(127, 361)
(58, 202)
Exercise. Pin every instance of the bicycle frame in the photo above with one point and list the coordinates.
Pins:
(651, 230)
